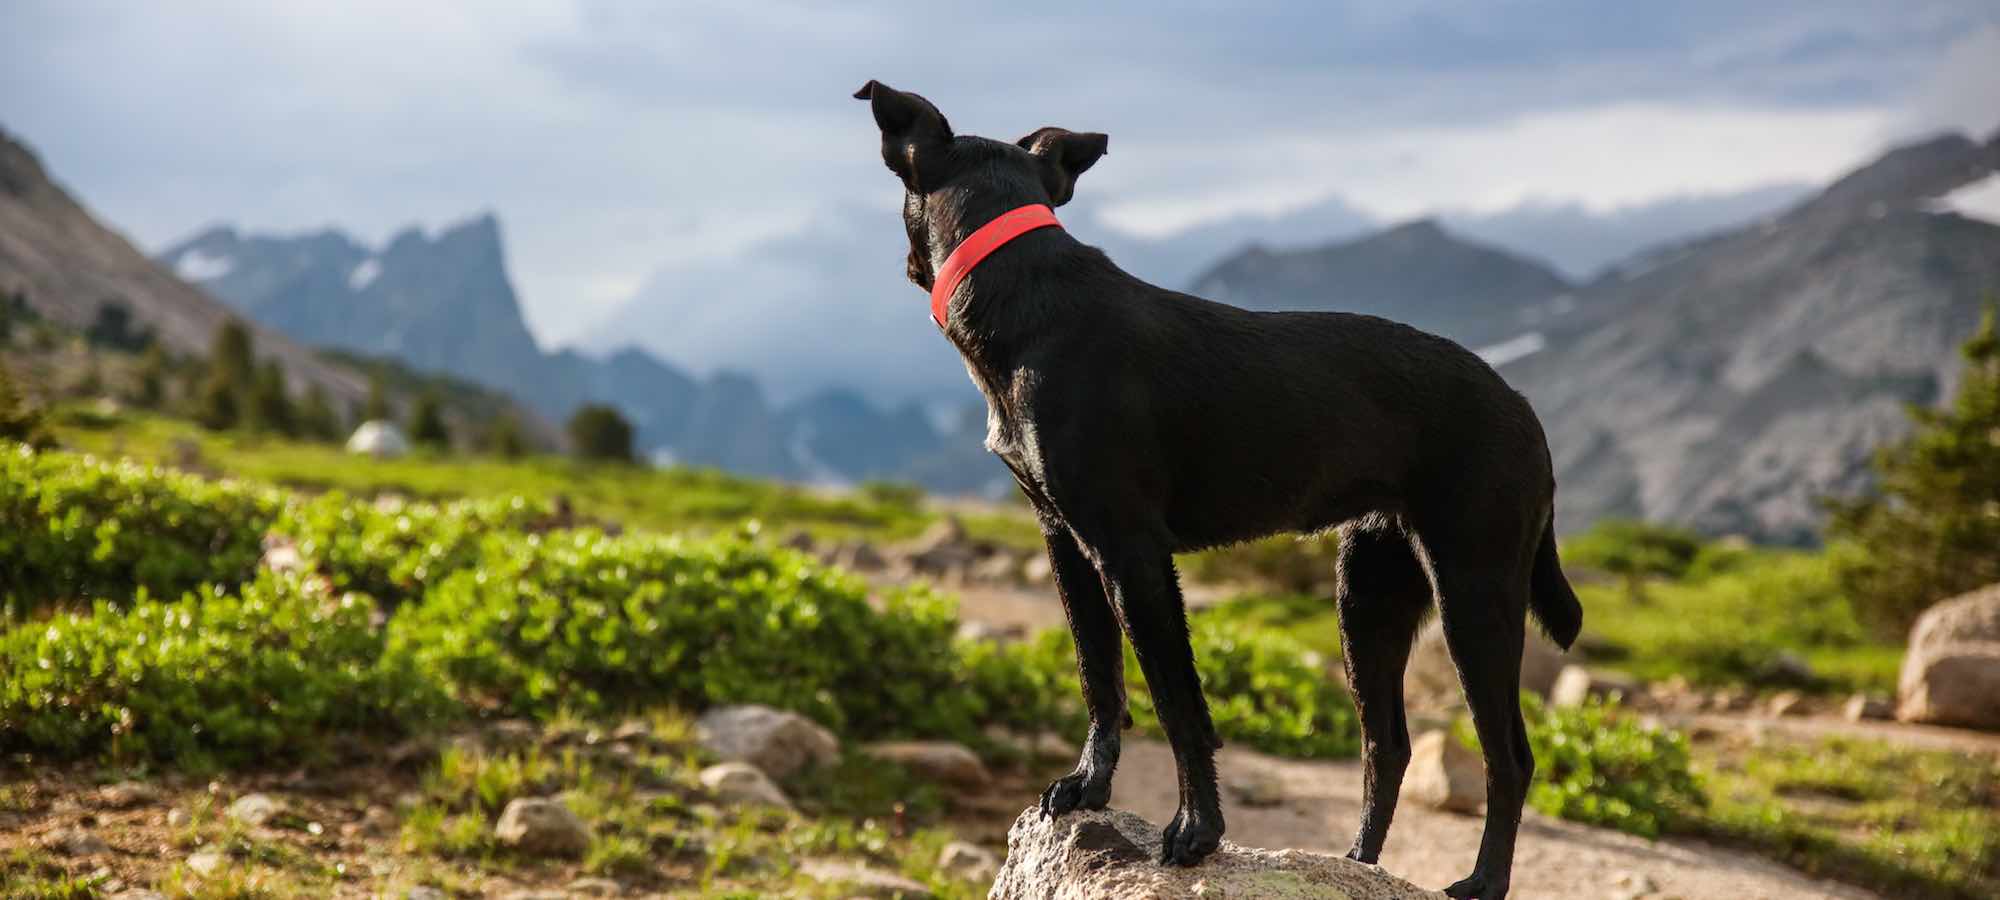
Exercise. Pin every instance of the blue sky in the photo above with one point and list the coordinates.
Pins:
(662, 155)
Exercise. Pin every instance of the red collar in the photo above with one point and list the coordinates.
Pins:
(990, 237)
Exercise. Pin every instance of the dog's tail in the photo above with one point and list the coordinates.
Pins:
(1550, 597)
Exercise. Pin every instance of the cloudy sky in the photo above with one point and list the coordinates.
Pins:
(688, 174)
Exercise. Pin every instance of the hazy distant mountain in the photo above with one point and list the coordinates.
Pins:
(1415, 273)
(1730, 381)
(68, 266)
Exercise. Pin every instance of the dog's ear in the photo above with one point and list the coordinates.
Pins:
(1064, 155)
(915, 136)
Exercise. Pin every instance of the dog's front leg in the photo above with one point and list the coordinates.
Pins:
(1146, 591)
(1100, 659)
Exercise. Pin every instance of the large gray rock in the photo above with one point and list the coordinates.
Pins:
(380, 439)
(944, 761)
(1951, 671)
(1112, 853)
(1956, 684)
(741, 782)
(1443, 774)
(1431, 680)
(542, 827)
(776, 741)
(1577, 684)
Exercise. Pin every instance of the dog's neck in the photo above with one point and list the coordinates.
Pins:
(1006, 293)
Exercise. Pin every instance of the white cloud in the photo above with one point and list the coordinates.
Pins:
(1601, 159)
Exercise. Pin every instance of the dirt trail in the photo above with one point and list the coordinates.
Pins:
(1555, 859)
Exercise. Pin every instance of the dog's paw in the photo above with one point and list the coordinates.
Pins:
(1190, 838)
(1077, 790)
(1477, 886)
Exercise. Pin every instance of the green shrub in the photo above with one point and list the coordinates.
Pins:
(597, 624)
(1300, 565)
(1595, 765)
(248, 674)
(392, 550)
(74, 528)
(1264, 689)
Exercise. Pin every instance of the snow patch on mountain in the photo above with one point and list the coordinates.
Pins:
(364, 274)
(197, 265)
(1977, 200)
(1513, 348)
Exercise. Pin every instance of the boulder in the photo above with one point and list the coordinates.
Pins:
(1863, 707)
(543, 827)
(126, 794)
(1431, 680)
(1577, 684)
(380, 439)
(1443, 774)
(1785, 703)
(741, 782)
(969, 862)
(944, 761)
(781, 743)
(1951, 671)
(863, 881)
(1112, 853)
(1967, 618)
(1953, 684)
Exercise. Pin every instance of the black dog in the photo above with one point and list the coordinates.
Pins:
(1143, 422)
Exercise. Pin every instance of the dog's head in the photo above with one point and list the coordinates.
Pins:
(950, 180)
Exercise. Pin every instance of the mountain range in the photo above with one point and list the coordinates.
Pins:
(1727, 381)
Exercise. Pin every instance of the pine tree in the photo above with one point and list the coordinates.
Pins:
(503, 437)
(19, 420)
(427, 427)
(317, 420)
(1934, 530)
(149, 389)
(225, 395)
(598, 432)
(270, 406)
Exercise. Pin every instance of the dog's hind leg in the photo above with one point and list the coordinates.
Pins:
(1482, 586)
(1384, 594)
(1100, 659)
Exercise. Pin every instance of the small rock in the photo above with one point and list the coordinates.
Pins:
(205, 862)
(1037, 570)
(1445, 775)
(1255, 787)
(137, 894)
(992, 634)
(126, 794)
(781, 743)
(513, 733)
(178, 817)
(1639, 882)
(1785, 703)
(632, 731)
(800, 540)
(741, 782)
(77, 842)
(1787, 668)
(424, 892)
(944, 761)
(869, 882)
(1862, 707)
(969, 862)
(255, 809)
(541, 826)
(595, 887)
(1577, 684)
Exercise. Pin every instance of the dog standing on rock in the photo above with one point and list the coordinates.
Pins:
(1142, 422)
